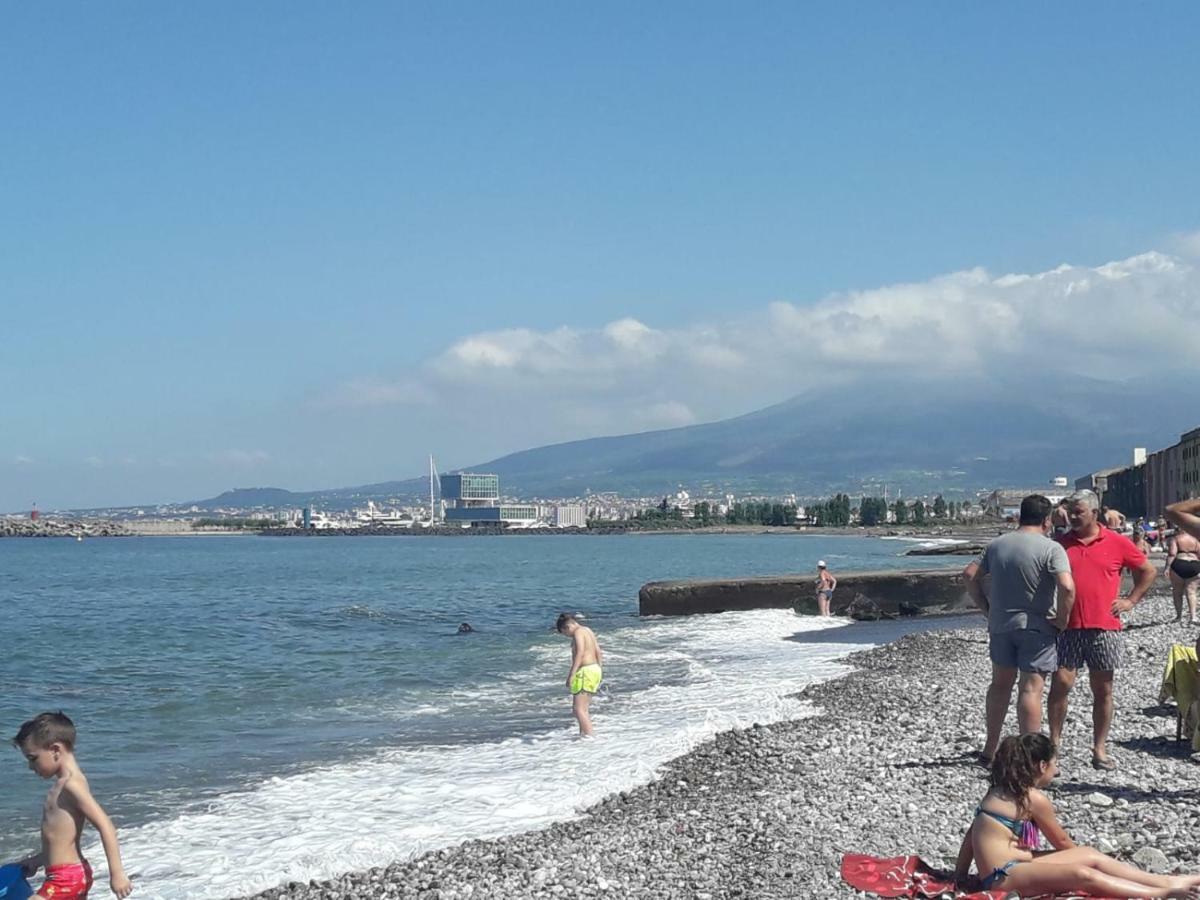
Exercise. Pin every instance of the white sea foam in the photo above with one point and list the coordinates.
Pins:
(925, 541)
(403, 802)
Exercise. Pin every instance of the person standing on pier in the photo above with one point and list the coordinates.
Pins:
(1031, 596)
(1093, 635)
(826, 585)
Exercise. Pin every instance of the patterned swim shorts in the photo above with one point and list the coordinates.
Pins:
(1099, 649)
(70, 881)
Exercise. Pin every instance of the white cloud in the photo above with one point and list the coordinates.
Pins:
(1187, 244)
(530, 386)
(94, 461)
(22, 460)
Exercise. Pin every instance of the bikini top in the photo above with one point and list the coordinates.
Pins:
(1024, 830)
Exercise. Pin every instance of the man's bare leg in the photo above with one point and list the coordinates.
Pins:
(1060, 689)
(999, 695)
(1029, 702)
(1102, 711)
(1193, 588)
(580, 708)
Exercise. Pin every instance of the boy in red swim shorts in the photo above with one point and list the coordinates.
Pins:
(48, 742)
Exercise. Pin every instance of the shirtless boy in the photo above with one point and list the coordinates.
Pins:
(48, 742)
(584, 678)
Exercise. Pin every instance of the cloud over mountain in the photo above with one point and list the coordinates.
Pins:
(628, 375)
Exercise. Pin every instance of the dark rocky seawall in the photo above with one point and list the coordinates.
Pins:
(62, 528)
(861, 595)
(885, 766)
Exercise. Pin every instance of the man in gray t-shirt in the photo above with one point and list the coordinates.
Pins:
(1028, 603)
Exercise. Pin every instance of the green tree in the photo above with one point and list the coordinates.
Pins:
(872, 511)
(939, 507)
(918, 513)
(900, 511)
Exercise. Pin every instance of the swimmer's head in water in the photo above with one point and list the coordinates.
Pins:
(564, 623)
(465, 628)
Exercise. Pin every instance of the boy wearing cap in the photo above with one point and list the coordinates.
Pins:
(825, 587)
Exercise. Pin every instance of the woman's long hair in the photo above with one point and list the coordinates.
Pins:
(1016, 767)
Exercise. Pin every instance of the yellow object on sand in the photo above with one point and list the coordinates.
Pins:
(586, 678)
(1181, 680)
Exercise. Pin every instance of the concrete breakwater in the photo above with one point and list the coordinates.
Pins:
(861, 595)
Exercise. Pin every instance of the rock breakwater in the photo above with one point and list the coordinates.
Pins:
(61, 528)
(883, 766)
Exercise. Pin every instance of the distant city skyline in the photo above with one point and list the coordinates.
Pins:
(302, 247)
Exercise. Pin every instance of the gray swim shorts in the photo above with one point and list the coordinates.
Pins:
(1029, 651)
(1100, 649)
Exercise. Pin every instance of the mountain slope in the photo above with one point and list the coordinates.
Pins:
(934, 435)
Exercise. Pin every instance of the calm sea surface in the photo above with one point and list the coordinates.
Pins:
(253, 710)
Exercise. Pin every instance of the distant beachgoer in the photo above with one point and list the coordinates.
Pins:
(1032, 593)
(584, 678)
(1139, 539)
(826, 585)
(1093, 636)
(1112, 518)
(48, 742)
(1185, 515)
(1005, 833)
(465, 628)
(1183, 571)
(1059, 520)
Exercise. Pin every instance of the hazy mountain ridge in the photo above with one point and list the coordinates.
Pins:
(938, 435)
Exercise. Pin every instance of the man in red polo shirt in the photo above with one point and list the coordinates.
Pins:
(1093, 634)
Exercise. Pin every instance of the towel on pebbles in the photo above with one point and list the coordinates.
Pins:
(910, 876)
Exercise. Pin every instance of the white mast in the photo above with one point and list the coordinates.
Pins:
(433, 516)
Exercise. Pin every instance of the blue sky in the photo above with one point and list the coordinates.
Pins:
(295, 245)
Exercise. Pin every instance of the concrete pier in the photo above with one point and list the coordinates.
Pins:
(859, 594)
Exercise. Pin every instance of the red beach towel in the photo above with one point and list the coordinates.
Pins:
(910, 876)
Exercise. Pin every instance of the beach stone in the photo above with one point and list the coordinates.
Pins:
(1098, 799)
(1152, 860)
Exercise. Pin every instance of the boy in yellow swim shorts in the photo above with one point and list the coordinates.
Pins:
(584, 678)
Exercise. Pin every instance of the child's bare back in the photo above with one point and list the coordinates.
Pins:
(585, 646)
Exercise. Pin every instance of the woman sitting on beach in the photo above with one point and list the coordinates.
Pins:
(1004, 833)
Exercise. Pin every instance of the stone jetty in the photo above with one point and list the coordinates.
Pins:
(861, 595)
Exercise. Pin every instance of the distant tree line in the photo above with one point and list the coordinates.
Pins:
(235, 524)
(835, 512)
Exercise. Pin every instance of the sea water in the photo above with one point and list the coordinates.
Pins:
(254, 710)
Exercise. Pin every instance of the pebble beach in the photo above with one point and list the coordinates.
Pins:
(884, 765)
